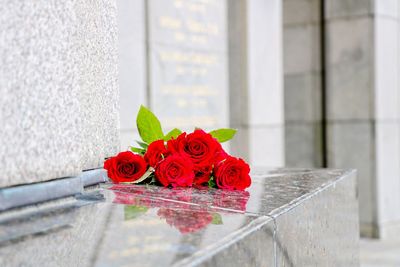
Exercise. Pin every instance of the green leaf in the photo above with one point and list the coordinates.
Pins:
(148, 125)
(138, 150)
(132, 212)
(217, 219)
(211, 183)
(174, 133)
(142, 144)
(223, 134)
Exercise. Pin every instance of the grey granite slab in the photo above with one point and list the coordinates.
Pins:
(98, 71)
(287, 217)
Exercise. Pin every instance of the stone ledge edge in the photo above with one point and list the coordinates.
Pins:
(30, 194)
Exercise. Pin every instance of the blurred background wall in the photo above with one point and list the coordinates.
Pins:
(308, 83)
(205, 63)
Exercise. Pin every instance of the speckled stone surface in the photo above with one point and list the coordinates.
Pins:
(58, 104)
(97, 40)
(286, 218)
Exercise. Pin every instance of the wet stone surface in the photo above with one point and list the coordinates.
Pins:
(286, 218)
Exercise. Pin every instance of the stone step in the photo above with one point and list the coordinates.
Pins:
(287, 218)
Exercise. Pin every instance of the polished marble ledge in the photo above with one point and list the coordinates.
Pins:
(288, 217)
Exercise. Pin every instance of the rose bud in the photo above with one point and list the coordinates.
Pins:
(232, 174)
(156, 152)
(175, 170)
(125, 167)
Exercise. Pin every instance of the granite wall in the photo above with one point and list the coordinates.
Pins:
(58, 87)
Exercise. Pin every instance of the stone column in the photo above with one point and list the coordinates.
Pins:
(58, 104)
(303, 88)
(255, 69)
(363, 105)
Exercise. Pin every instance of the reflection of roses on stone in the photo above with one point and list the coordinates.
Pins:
(186, 221)
(176, 205)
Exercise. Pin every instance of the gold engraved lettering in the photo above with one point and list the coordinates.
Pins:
(200, 103)
(193, 7)
(198, 39)
(170, 22)
(196, 7)
(180, 70)
(199, 27)
(179, 36)
(181, 102)
(191, 70)
(185, 57)
(178, 3)
(195, 90)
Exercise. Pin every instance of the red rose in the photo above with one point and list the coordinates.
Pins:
(220, 156)
(199, 146)
(232, 174)
(172, 144)
(125, 167)
(202, 175)
(175, 170)
(155, 153)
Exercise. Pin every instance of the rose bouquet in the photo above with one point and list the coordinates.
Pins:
(178, 159)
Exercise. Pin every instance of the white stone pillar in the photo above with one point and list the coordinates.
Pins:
(255, 40)
(303, 85)
(363, 105)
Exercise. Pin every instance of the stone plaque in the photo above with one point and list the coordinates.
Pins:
(188, 62)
